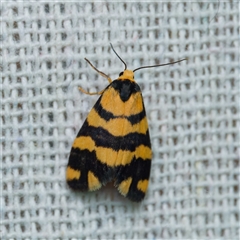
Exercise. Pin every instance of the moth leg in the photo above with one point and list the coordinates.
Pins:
(86, 92)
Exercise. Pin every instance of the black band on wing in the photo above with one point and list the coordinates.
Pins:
(106, 115)
(103, 138)
(86, 161)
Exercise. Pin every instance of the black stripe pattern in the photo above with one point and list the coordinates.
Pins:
(103, 138)
(106, 115)
(86, 160)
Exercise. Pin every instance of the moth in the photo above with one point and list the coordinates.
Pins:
(114, 143)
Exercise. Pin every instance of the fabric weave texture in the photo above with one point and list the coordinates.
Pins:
(192, 109)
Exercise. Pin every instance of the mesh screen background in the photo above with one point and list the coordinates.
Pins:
(192, 109)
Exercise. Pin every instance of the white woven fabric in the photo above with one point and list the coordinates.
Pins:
(192, 107)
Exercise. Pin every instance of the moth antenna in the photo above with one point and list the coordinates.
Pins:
(119, 57)
(159, 65)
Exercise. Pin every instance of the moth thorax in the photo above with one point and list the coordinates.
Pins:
(127, 74)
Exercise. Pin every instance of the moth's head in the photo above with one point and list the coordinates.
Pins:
(126, 74)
